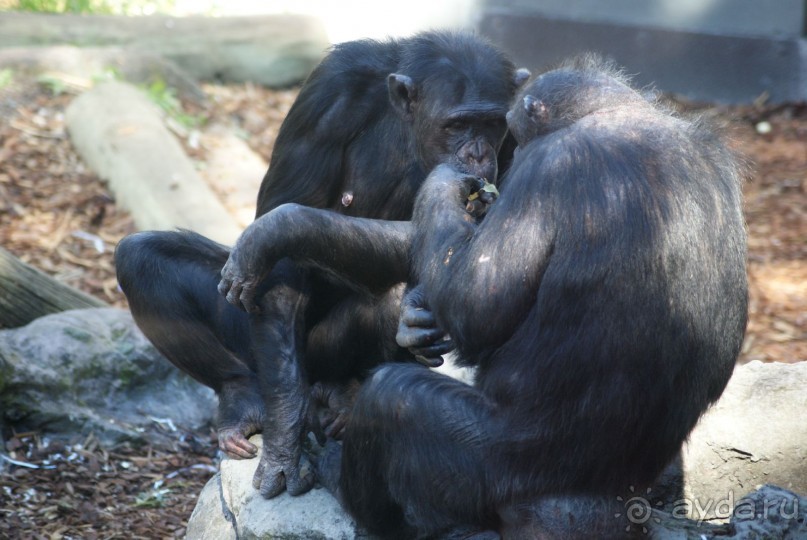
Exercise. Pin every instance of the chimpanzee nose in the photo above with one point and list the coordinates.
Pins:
(480, 159)
(486, 169)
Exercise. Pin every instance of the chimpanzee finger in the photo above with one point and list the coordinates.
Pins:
(233, 293)
(269, 485)
(474, 183)
(327, 418)
(476, 207)
(488, 197)
(318, 394)
(337, 428)
(257, 478)
(315, 426)
(408, 337)
(413, 316)
(429, 361)
(224, 286)
(247, 298)
(431, 351)
(235, 445)
(301, 478)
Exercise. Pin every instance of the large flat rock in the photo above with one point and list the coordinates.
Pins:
(754, 435)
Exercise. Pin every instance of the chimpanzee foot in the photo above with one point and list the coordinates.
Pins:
(275, 473)
(241, 415)
(234, 442)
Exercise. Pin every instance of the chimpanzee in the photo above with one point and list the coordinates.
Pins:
(369, 123)
(603, 299)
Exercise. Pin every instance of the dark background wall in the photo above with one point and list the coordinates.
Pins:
(730, 51)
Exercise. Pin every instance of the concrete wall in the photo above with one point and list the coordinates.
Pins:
(769, 18)
(730, 51)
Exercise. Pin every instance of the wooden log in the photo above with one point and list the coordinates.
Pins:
(233, 171)
(274, 50)
(120, 134)
(27, 294)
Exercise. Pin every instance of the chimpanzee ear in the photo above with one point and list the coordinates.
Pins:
(402, 94)
(521, 76)
(535, 109)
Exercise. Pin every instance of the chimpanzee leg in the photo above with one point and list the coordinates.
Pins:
(356, 334)
(419, 459)
(415, 452)
(577, 517)
(279, 332)
(170, 281)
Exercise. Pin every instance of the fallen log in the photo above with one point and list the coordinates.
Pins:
(27, 293)
(274, 50)
(85, 65)
(233, 171)
(120, 134)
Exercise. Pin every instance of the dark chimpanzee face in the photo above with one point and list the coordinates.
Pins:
(458, 114)
(463, 131)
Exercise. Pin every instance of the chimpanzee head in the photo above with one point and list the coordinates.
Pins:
(559, 98)
(455, 94)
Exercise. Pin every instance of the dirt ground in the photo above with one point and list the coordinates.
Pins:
(58, 216)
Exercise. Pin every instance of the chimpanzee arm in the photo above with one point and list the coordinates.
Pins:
(489, 272)
(367, 255)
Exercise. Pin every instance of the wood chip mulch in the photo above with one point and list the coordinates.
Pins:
(52, 490)
(58, 216)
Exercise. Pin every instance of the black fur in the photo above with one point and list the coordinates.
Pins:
(368, 124)
(603, 299)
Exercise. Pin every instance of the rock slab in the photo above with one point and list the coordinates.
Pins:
(231, 507)
(754, 435)
(92, 370)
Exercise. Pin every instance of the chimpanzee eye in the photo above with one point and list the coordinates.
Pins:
(456, 125)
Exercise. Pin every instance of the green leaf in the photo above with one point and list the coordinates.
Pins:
(490, 188)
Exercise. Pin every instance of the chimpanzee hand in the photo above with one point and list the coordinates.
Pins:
(335, 402)
(483, 194)
(446, 184)
(418, 331)
(245, 269)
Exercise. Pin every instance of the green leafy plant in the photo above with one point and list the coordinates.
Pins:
(44, 6)
(166, 98)
(6, 77)
(54, 84)
(116, 7)
(64, 6)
